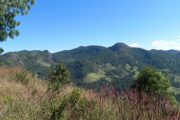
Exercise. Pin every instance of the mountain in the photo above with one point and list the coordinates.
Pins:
(35, 61)
(118, 64)
(173, 51)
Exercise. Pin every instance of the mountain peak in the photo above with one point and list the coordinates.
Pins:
(172, 51)
(119, 46)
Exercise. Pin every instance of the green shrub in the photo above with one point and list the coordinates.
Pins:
(74, 97)
(59, 76)
(58, 113)
(153, 82)
(71, 101)
(22, 77)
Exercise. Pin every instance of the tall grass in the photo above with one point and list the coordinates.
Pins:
(34, 101)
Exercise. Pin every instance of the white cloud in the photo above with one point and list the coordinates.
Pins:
(134, 45)
(166, 45)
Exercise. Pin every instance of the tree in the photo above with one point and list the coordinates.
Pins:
(59, 76)
(152, 81)
(9, 9)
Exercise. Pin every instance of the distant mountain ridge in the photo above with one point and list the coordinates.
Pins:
(118, 63)
(120, 52)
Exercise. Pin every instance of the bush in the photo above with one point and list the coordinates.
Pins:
(153, 82)
(70, 101)
(59, 76)
(22, 77)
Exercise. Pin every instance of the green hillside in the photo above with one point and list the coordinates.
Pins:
(93, 65)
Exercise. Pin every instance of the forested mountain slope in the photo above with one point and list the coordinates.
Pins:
(118, 64)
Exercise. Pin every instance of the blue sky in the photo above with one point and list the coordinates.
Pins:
(57, 25)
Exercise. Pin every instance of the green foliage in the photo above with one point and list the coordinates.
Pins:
(59, 76)
(22, 77)
(9, 9)
(76, 68)
(151, 81)
(58, 114)
(60, 73)
(1, 50)
(74, 97)
(178, 97)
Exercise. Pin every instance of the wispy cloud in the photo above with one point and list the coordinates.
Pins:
(134, 45)
(166, 45)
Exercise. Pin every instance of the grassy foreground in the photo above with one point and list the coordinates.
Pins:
(24, 97)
